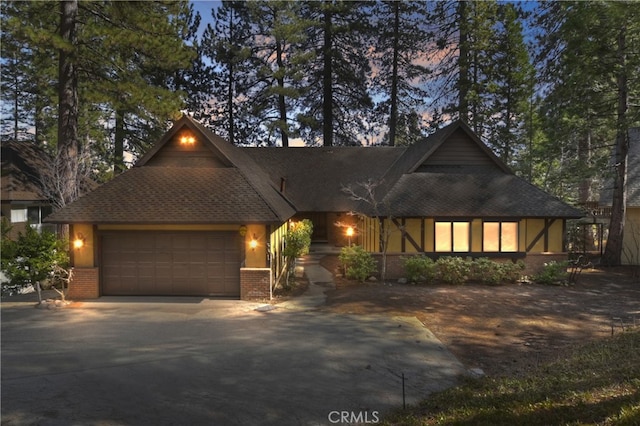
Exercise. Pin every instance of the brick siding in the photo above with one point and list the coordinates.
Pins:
(255, 283)
(85, 284)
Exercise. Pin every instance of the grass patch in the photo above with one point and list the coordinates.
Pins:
(597, 384)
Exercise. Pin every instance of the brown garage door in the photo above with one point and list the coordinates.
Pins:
(170, 263)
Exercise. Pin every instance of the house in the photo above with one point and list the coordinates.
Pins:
(631, 239)
(23, 200)
(198, 216)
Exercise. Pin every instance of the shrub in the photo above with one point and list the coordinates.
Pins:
(358, 263)
(491, 272)
(486, 271)
(552, 273)
(298, 239)
(419, 269)
(297, 242)
(453, 270)
(32, 257)
(512, 272)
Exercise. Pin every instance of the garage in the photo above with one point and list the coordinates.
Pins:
(176, 263)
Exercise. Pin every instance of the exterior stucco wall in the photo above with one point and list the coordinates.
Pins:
(417, 235)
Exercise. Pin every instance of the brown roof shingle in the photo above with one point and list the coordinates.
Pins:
(171, 195)
(471, 192)
(20, 177)
(315, 176)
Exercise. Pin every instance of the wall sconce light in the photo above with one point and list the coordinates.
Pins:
(79, 241)
(187, 140)
(254, 242)
(350, 231)
(242, 230)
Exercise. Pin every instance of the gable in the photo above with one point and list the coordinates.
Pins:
(190, 175)
(458, 150)
(187, 148)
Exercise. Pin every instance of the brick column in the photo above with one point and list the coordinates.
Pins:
(84, 284)
(255, 283)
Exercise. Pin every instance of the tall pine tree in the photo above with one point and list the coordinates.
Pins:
(400, 66)
(335, 97)
(592, 63)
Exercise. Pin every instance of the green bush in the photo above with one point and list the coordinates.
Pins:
(486, 271)
(552, 273)
(297, 242)
(453, 269)
(456, 270)
(31, 258)
(491, 272)
(298, 239)
(419, 269)
(512, 272)
(358, 263)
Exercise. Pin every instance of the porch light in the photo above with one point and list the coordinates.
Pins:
(254, 242)
(350, 231)
(187, 140)
(79, 241)
(242, 230)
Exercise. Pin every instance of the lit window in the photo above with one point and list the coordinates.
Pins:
(443, 236)
(18, 215)
(452, 236)
(500, 236)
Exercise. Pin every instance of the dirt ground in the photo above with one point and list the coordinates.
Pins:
(503, 330)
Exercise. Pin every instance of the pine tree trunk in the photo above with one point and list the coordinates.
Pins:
(613, 251)
(463, 61)
(393, 117)
(327, 74)
(282, 105)
(118, 154)
(231, 76)
(68, 103)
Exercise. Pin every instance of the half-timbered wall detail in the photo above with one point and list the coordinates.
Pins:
(455, 236)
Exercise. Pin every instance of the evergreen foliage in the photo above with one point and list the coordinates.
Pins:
(32, 257)
(552, 90)
(358, 263)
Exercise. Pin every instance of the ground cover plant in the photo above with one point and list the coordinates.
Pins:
(457, 270)
(598, 383)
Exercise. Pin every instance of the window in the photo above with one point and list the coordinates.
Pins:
(452, 236)
(33, 215)
(18, 215)
(500, 236)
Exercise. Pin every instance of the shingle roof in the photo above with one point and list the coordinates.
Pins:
(187, 194)
(20, 178)
(263, 184)
(314, 177)
(171, 195)
(471, 192)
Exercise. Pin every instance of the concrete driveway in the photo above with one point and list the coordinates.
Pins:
(191, 361)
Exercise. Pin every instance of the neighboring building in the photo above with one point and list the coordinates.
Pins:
(23, 201)
(631, 240)
(198, 216)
